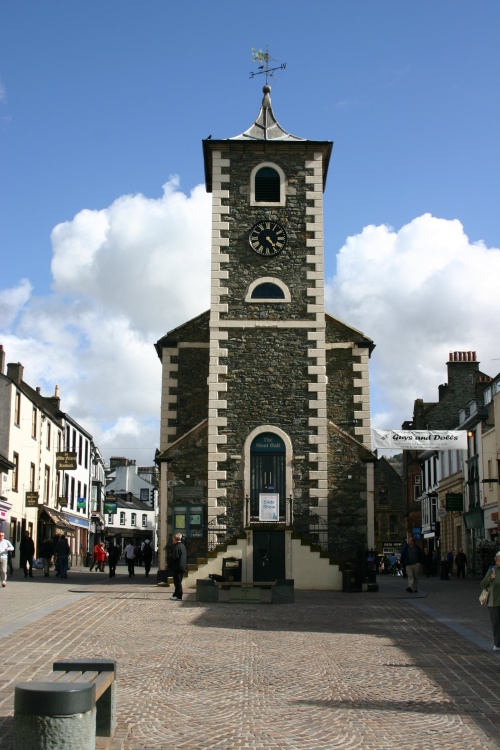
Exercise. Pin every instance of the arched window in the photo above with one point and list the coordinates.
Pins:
(268, 291)
(267, 186)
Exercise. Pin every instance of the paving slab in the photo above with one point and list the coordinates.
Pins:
(332, 670)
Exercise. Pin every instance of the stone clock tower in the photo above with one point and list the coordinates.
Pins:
(266, 397)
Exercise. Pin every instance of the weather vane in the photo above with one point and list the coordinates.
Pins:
(262, 59)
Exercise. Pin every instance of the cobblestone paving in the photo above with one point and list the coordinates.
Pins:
(330, 671)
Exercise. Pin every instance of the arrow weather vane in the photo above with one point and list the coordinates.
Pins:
(262, 59)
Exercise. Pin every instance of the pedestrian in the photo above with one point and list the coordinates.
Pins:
(95, 558)
(491, 581)
(130, 558)
(27, 552)
(427, 562)
(147, 556)
(449, 563)
(114, 555)
(5, 548)
(178, 564)
(436, 559)
(461, 563)
(63, 551)
(100, 557)
(46, 553)
(412, 558)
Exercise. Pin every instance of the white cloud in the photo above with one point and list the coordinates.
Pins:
(419, 293)
(125, 275)
(122, 277)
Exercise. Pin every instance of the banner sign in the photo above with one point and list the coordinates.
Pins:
(441, 440)
(81, 502)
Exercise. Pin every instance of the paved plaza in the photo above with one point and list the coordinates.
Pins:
(384, 670)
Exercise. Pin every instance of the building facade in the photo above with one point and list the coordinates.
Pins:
(43, 496)
(265, 427)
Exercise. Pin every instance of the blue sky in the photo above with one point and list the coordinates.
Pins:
(102, 100)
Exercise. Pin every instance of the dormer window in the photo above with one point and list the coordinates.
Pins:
(267, 185)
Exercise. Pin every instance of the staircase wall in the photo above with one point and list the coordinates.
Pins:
(310, 571)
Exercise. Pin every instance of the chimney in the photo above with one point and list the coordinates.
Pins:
(2, 360)
(15, 372)
(54, 400)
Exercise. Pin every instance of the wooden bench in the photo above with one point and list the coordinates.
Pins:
(68, 708)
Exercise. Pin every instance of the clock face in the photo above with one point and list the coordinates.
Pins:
(267, 238)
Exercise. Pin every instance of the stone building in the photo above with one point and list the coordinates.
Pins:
(389, 509)
(423, 470)
(265, 425)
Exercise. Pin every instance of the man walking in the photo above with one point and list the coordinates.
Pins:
(178, 564)
(412, 557)
(461, 563)
(130, 558)
(5, 548)
(147, 556)
(27, 552)
(63, 551)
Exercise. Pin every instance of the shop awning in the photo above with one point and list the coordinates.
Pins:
(57, 518)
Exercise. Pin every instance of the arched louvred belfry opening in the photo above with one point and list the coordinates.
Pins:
(268, 290)
(267, 186)
(267, 473)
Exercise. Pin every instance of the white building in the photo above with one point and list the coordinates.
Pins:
(40, 494)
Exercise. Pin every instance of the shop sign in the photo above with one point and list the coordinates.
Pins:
(63, 502)
(66, 461)
(81, 503)
(31, 499)
(110, 507)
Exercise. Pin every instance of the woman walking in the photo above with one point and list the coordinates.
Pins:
(491, 581)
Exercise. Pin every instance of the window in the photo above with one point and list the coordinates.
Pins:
(393, 524)
(383, 496)
(72, 499)
(48, 435)
(17, 409)
(110, 518)
(15, 472)
(80, 449)
(46, 485)
(133, 519)
(86, 454)
(144, 520)
(59, 438)
(122, 518)
(267, 186)
(145, 495)
(32, 477)
(33, 422)
(268, 289)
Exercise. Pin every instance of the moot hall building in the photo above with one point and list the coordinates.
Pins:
(265, 419)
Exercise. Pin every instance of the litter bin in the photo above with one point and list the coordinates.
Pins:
(352, 578)
(231, 569)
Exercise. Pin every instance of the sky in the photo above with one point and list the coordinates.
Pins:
(104, 217)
